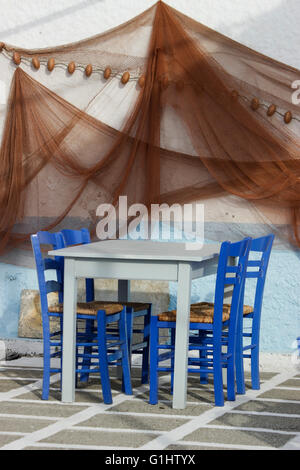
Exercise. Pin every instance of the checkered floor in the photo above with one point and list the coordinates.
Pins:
(264, 419)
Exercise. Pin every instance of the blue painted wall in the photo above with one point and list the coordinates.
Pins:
(12, 280)
(281, 308)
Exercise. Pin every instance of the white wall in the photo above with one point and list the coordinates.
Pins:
(269, 26)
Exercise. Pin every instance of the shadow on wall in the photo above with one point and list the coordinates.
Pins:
(49, 18)
(276, 28)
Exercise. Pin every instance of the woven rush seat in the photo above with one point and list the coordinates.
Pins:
(90, 308)
(202, 312)
(136, 306)
(247, 308)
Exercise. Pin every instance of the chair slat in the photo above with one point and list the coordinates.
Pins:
(254, 263)
(230, 280)
(51, 264)
(232, 269)
(253, 274)
(53, 286)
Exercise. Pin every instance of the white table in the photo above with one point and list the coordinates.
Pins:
(126, 260)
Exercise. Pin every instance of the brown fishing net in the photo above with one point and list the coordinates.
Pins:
(209, 118)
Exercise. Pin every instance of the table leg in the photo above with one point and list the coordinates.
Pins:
(123, 290)
(182, 335)
(228, 290)
(69, 332)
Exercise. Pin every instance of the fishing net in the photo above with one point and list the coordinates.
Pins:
(161, 109)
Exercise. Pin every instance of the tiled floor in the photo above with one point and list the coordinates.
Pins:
(264, 419)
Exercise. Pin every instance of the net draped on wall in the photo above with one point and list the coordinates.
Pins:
(161, 109)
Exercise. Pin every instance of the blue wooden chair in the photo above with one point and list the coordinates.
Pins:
(256, 269)
(105, 349)
(134, 310)
(210, 320)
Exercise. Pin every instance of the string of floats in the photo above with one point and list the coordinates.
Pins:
(125, 77)
(71, 67)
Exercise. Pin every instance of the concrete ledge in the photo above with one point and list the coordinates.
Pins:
(2, 350)
(268, 361)
(21, 346)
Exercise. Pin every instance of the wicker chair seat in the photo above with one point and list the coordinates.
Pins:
(136, 306)
(247, 308)
(202, 312)
(90, 308)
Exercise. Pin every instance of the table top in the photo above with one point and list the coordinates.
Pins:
(139, 250)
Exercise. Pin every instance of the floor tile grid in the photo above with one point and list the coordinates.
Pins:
(293, 444)
(176, 436)
(62, 423)
(163, 439)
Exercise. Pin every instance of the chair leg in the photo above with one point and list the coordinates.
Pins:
(76, 359)
(255, 376)
(154, 333)
(46, 368)
(129, 336)
(218, 385)
(129, 330)
(86, 362)
(146, 339)
(239, 361)
(203, 375)
(125, 354)
(230, 380)
(173, 335)
(61, 356)
(202, 355)
(102, 356)
(217, 368)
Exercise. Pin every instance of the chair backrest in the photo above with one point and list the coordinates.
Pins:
(54, 265)
(230, 275)
(80, 237)
(76, 237)
(261, 245)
